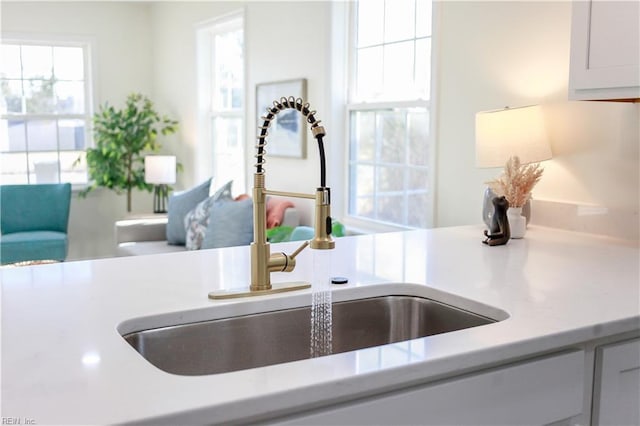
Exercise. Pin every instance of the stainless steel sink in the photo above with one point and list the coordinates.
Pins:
(257, 340)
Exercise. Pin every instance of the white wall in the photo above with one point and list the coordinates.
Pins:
(120, 30)
(273, 53)
(175, 79)
(123, 64)
(596, 151)
(496, 54)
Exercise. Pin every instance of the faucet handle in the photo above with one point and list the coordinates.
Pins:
(299, 249)
(281, 262)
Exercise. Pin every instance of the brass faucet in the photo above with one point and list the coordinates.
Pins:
(263, 263)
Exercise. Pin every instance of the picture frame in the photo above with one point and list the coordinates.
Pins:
(287, 133)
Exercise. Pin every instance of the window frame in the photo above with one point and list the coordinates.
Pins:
(363, 224)
(56, 40)
(205, 33)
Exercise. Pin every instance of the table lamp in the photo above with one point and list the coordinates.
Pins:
(160, 170)
(505, 133)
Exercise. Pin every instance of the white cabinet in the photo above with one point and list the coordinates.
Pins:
(617, 384)
(605, 50)
(542, 391)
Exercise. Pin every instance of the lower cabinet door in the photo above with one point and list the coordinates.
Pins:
(617, 384)
(541, 391)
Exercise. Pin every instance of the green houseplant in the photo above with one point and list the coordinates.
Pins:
(122, 139)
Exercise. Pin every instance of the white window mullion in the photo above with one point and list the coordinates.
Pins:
(376, 106)
(406, 170)
(376, 164)
(26, 147)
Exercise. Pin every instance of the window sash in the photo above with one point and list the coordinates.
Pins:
(221, 28)
(354, 48)
(387, 171)
(228, 155)
(376, 164)
(57, 152)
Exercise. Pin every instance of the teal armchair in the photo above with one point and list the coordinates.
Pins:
(33, 222)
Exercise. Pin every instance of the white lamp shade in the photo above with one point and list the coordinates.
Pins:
(160, 169)
(511, 132)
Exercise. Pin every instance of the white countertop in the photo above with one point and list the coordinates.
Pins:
(64, 361)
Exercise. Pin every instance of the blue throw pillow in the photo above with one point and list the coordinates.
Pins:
(223, 193)
(230, 224)
(197, 220)
(179, 205)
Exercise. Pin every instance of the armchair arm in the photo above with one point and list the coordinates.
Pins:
(136, 230)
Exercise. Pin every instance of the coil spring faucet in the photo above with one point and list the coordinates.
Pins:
(263, 263)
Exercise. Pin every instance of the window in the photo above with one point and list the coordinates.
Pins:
(45, 111)
(389, 113)
(221, 51)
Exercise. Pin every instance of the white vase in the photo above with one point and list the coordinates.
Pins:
(517, 222)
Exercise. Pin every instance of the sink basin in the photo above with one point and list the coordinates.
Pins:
(257, 340)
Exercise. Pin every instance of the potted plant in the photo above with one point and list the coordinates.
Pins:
(516, 183)
(122, 139)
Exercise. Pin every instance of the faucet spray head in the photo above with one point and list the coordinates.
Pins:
(322, 239)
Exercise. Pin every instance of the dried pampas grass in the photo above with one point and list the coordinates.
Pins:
(516, 181)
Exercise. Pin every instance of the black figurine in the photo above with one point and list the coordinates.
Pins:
(499, 233)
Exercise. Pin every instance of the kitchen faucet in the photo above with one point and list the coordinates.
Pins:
(263, 263)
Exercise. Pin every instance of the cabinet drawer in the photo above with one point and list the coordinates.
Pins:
(617, 384)
(541, 391)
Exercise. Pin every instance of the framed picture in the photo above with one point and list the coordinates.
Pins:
(287, 133)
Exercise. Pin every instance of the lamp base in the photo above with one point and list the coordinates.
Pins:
(160, 198)
(487, 208)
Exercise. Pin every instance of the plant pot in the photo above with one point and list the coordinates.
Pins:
(517, 222)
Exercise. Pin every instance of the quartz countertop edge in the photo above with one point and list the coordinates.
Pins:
(62, 323)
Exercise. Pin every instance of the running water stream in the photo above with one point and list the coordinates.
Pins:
(321, 320)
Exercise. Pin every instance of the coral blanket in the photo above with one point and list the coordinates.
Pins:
(275, 211)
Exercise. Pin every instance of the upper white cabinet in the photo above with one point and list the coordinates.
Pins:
(605, 50)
